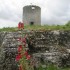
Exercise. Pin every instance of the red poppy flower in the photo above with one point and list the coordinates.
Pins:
(26, 53)
(18, 57)
(28, 57)
(20, 67)
(20, 25)
(20, 48)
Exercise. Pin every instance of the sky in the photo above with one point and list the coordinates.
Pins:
(52, 11)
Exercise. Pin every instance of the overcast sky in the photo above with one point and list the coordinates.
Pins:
(52, 11)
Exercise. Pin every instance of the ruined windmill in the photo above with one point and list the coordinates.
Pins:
(32, 15)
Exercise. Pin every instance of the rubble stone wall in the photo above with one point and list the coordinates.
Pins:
(49, 46)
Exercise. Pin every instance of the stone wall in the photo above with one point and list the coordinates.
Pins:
(9, 51)
(2, 35)
(45, 46)
(50, 39)
(51, 46)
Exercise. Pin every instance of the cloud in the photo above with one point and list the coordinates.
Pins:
(57, 11)
(7, 23)
(53, 11)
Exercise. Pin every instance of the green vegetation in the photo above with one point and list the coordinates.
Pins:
(51, 67)
(38, 27)
(47, 27)
(12, 29)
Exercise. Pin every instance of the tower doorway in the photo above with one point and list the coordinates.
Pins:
(31, 23)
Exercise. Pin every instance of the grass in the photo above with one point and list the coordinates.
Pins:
(47, 27)
(52, 67)
(9, 29)
(38, 27)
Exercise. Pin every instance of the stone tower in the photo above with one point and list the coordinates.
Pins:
(32, 15)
